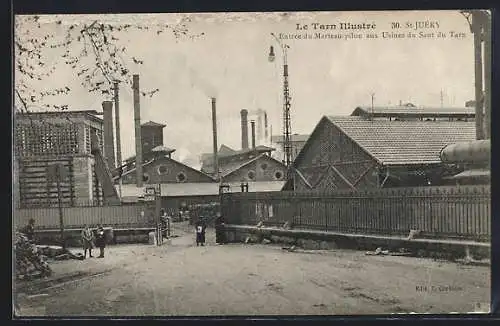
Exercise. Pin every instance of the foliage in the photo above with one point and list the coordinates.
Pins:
(93, 51)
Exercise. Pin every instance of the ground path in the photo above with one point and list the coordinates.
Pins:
(182, 279)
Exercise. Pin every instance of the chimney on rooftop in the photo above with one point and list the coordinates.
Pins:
(244, 129)
(109, 147)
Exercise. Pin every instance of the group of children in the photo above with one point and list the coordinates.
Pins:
(89, 238)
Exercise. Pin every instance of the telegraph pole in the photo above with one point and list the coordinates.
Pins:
(487, 74)
(478, 72)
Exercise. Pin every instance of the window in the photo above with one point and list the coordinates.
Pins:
(162, 169)
(181, 177)
(263, 166)
(278, 175)
(251, 174)
(145, 177)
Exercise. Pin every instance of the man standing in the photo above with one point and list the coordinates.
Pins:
(220, 235)
(29, 230)
(200, 232)
(100, 241)
(87, 238)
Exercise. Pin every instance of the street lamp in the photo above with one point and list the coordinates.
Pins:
(286, 103)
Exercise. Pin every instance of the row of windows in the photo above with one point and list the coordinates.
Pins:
(180, 177)
(278, 175)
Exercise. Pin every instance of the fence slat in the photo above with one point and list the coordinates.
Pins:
(461, 211)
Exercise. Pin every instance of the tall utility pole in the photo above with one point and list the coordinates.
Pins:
(117, 128)
(487, 74)
(287, 125)
(441, 98)
(480, 25)
(478, 73)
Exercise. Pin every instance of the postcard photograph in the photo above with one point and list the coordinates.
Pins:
(251, 164)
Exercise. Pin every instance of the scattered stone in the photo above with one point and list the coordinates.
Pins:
(291, 249)
(266, 241)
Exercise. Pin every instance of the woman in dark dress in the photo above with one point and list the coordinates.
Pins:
(220, 236)
(100, 241)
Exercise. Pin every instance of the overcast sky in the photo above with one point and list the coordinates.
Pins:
(327, 76)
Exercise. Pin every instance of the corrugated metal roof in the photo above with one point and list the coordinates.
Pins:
(402, 110)
(404, 142)
(200, 189)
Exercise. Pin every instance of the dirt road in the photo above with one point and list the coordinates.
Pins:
(237, 279)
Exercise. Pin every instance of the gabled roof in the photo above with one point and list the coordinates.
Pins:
(404, 142)
(413, 111)
(225, 149)
(399, 142)
(232, 167)
(207, 158)
(152, 124)
(294, 138)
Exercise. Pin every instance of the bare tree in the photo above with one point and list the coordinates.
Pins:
(92, 50)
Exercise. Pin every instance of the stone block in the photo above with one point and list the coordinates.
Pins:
(310, 245)
(275, 239)
(327, 245)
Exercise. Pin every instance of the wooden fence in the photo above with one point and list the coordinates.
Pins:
(451, 212)
(140, 215)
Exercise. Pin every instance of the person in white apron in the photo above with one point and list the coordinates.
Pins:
(200, 232)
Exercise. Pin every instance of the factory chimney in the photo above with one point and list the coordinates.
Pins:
(244, 129)
(253, 133)
(266, 134)
(137, 124)
(214, 131)
(260, 125)
(109, 147)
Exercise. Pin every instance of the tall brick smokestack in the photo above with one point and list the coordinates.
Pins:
(253, 133)
(244, 129)
(260, 125)
(214, 131)
(109, 146)
(137, 124)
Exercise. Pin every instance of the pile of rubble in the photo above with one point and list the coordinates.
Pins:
(30, 262)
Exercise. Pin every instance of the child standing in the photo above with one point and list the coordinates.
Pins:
(100, 241)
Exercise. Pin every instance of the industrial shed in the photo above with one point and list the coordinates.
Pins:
(360, 152)
(176, 195)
